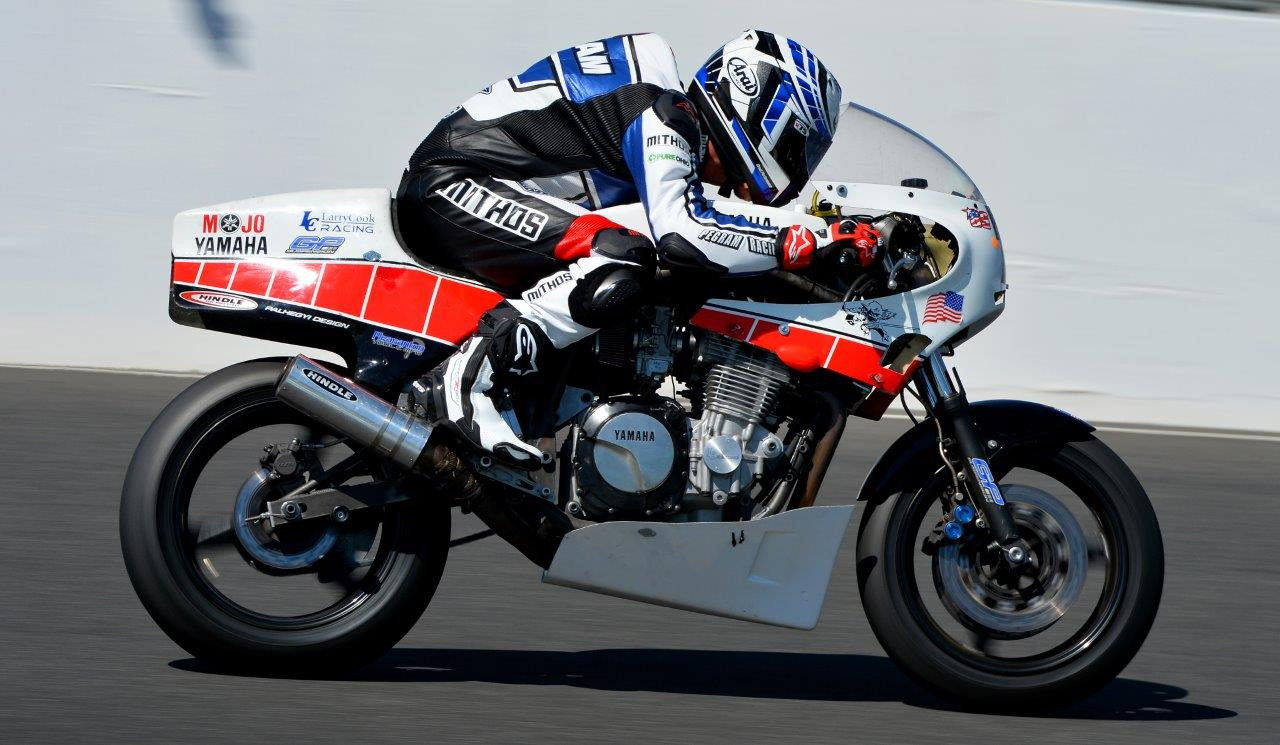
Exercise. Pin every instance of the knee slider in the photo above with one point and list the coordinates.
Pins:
(625, 245)
(608, 294)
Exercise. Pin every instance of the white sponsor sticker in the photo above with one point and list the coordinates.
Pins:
(218, 300)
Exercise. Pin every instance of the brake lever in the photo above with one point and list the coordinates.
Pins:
(907, 262)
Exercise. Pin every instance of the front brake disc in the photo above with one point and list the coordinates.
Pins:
(987, 598)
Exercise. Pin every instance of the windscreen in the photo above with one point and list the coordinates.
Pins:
(871, 148)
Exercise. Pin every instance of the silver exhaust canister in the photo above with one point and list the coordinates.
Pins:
(347, 407)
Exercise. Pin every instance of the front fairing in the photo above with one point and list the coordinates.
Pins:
(878, 166)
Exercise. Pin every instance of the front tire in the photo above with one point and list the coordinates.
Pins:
(924, 642)
(157, 543)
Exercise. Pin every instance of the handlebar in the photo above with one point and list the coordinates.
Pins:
(814, 289)
(664, 278)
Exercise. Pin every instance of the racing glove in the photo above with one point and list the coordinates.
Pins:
(796, 246)
(858, 235)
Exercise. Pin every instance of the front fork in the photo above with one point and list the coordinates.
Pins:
(967, 455)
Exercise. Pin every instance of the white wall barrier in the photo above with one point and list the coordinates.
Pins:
(1128, 152)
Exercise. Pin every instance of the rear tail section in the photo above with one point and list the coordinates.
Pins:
(321, 269)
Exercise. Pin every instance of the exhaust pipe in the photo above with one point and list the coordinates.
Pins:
(347, 407)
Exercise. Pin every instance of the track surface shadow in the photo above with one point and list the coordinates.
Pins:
(746, 674)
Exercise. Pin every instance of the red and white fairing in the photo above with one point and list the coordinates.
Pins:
(898, 171)
(840, 336)
(334, 252)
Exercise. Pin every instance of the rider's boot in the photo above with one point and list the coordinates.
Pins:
(470, 392)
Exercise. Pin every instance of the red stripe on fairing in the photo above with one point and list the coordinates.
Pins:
(730, 324)
(217, 274)
(400, 297)
(805, 350)
(458, 310)
(344, 287)
(295, 282)
(185, 271)
(862, 362)
(800, 349)
(252, 277)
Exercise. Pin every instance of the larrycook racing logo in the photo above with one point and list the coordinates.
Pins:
(218, 300)
(336, 222)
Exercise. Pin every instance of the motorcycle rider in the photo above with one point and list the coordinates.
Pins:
(504, 186)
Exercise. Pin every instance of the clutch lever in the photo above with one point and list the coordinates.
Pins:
(887, 224)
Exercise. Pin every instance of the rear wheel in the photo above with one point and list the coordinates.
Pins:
(314, 596)
(967, 626)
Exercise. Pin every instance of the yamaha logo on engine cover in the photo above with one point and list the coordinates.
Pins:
(330, 385)
(631, 457)
(634, 452)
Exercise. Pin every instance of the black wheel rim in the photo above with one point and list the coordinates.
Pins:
(235, 418)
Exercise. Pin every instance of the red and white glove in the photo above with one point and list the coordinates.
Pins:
(859, 235)
(796, 247)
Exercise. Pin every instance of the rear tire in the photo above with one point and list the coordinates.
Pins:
(196, 617)
(915, 643)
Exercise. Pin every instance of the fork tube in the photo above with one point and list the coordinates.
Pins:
(951, 407)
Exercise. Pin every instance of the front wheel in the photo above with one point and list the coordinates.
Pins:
(967, 626)
(318, 597)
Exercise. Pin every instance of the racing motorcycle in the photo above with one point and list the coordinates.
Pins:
(293, 515)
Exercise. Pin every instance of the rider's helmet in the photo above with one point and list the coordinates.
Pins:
(770, 107)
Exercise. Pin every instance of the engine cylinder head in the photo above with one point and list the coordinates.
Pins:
(739, 391)
(742, 382)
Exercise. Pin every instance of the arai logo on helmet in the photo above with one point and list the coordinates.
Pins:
(332, 386)
(743, 77)
(218, 300)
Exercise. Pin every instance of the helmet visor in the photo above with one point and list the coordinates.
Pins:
(798, 153)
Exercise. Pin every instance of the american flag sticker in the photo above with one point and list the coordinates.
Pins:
(944, 307)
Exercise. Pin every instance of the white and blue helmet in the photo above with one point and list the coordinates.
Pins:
(770, 106)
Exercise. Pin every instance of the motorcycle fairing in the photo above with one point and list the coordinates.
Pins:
(774, 570)
(367, 299)
(851, 338)
(394, 297)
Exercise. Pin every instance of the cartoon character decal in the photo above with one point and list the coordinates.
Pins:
(872, 318)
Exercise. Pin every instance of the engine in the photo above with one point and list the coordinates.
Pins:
(733, 441)
(640, 457)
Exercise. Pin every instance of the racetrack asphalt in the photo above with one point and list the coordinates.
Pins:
(499, 657)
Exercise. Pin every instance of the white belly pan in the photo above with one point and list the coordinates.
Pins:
(774, 570)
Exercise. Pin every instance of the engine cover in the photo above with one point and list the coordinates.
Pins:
(630, 457)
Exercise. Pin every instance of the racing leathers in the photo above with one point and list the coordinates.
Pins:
(504, 187)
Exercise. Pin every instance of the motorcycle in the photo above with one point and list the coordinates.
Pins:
(293, 516)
